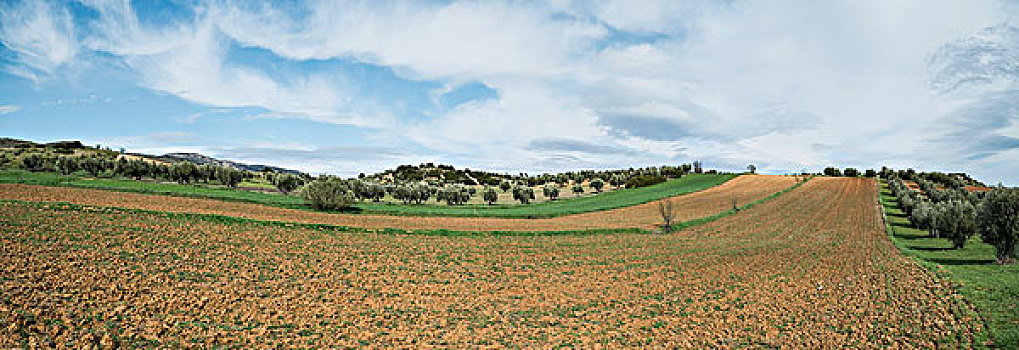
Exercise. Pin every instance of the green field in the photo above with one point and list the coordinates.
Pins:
(564, 206)
(992, 288)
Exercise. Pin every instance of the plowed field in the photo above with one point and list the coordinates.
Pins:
(812, 268)
(708, 202)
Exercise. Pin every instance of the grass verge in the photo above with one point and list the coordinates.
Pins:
(993, 289)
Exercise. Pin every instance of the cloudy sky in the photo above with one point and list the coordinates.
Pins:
(347, 87)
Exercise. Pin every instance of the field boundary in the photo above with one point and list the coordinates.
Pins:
(933, 269)
(218, 218)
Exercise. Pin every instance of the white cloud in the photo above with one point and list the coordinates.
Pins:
(8, 109)
(41, 37)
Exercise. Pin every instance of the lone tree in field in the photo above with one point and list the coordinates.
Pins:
(752, 168)
(998, 222)
(667, 209)
(505, 186)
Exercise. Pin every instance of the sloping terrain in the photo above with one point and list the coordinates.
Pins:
(811, 268)
(704, 203)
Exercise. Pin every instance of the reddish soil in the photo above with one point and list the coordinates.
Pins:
(812, 268)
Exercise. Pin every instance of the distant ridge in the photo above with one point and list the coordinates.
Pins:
(204, 159)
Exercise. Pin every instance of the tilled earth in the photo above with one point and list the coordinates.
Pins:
(744, 189)
(811, 268)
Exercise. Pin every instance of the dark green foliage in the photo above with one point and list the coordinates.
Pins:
(490, 195)
(453, 195)
(286, 182)
(505, 186)
(832, 171)
(644, 181)
(998, 222)
(870, 173)
(184, 172)
(67, 165)
(597, 184)
(551, 192)
(229, 176)
(523, 194)
(851, 172)
(752, 168)
(578, 189)
(32, 162)
(328, 193)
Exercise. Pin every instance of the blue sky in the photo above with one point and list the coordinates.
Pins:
(347, 87)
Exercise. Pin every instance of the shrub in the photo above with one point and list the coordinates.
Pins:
(644, 181)
(328, 194)
(667, 209)
(998, 222)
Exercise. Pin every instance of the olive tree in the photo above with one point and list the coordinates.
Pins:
(998, 222)
(523, 194)
(328, 194)
(550, 192)
(32, 162)
(490, 195)
(597, 184)
(752, 168)
(286, 182)
(578, 189)
(229, 176)
(505, 186)
(67, 165)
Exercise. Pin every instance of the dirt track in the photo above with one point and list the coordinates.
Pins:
(745, 189)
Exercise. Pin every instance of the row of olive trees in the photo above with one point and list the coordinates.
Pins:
(183, 172)
(956, 215)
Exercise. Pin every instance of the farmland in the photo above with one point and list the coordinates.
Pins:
(564, 206)
(809, 268)
(704, 203)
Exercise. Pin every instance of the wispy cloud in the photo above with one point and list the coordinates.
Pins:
(40, 35)
(7, 109)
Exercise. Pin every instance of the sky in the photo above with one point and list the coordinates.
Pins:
(343, 87)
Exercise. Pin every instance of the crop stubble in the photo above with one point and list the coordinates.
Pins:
(703, 203)
(811, 268)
